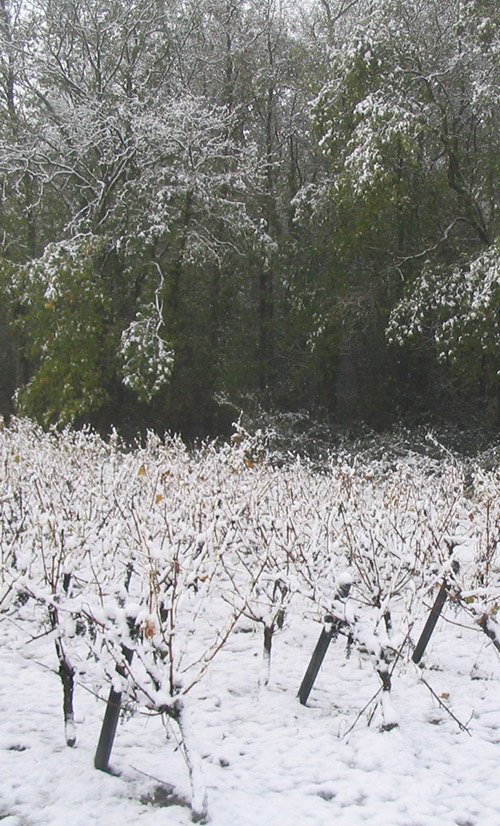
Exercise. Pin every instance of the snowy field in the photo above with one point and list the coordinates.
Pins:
(248, 547)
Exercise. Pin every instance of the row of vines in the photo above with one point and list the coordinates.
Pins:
(140, 564)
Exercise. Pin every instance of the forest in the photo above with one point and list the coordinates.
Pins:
(219, 205)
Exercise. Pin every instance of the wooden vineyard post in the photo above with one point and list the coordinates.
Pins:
(110, 722)
(433, 617)
(330, 629)
(316, 660)
(431, 623)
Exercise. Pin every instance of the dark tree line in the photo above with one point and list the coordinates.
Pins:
(213, 204)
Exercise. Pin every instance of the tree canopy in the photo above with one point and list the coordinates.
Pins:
(216, 203)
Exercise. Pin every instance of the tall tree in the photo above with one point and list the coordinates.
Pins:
(410, 152)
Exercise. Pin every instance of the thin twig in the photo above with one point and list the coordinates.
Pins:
(461, 726)
(360, 714)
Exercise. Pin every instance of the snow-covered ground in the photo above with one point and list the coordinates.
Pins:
(266, 758)
(202, 552)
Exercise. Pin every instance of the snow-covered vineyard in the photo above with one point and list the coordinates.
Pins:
(195, 583)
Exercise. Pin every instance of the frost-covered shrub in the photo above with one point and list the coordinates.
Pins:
(163, 550)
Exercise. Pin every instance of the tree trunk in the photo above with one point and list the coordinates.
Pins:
(199, 805)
